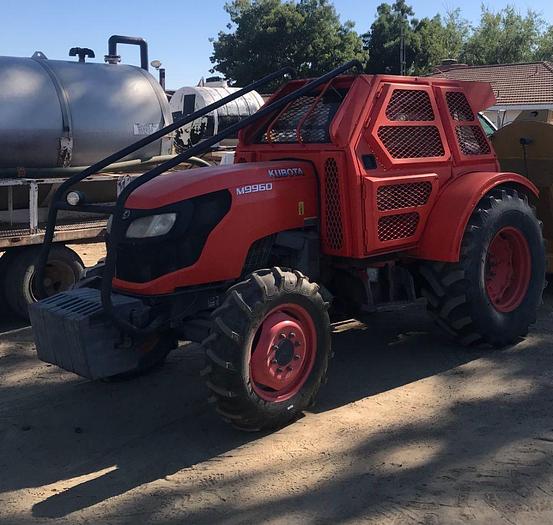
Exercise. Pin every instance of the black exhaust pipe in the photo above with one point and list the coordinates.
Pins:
(113, 58)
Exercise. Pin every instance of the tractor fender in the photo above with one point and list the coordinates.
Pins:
(444, 229)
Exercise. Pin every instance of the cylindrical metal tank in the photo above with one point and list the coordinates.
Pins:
(186, 100)
(56, 113)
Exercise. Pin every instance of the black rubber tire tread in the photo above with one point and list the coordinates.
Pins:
(228, 346)
(5, 259)
(20, 270)
(455, 292)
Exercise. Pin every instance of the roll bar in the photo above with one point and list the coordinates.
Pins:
(118, 210)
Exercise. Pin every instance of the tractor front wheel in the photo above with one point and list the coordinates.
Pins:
(268, 349)
(492, 294)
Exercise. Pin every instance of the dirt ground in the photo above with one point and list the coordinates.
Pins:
(408, 429)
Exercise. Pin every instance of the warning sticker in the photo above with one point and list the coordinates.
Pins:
(146, 128)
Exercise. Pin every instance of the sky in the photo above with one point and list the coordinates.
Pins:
(177, 32)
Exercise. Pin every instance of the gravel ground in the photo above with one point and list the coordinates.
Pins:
(409, 429)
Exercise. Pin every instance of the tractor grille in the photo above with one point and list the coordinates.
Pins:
(408, 142)
(397, 196)
(333, 215)
(458, 106)
(409, 105)
(391, 227)
(472, 140)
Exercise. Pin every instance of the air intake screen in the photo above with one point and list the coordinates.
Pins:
(407, 142)
(471, 140)
(333, 213)
(312, 114)
(410, 105)
(393, 227)
(458, 106)
(397, 196)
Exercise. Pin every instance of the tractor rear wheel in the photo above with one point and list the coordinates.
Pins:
(492, 294)
(268, 349)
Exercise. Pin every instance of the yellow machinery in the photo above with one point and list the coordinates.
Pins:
(526, 146)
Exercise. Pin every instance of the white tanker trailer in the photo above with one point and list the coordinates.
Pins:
(56, 118)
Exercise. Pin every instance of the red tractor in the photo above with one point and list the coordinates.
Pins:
(348, 193)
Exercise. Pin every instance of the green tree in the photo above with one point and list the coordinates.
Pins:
(545, 45)
(265, 35)
(382, 41)
(438, 38)
(504, 36)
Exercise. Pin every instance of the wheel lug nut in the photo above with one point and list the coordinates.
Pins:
(297, 343)
(274, 348)
(274, 361)
(297, 356)
(282, 336)
(279, 370)
(289, 368)
(291, 335)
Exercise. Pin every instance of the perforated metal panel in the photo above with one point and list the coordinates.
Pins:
(458, 106)
(407, 142)
(472, 140)
(311, 114)
(391, 227)
(410, 105)
(397, 196)
(333, 213)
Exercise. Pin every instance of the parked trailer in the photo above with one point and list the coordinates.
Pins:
(22, 232)
(56, 118)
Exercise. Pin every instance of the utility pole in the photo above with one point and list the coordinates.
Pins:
(401, 48)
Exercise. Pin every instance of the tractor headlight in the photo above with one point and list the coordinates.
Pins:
(151, 226)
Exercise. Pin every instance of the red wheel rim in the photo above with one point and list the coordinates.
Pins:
(283, 353)
(508, 269)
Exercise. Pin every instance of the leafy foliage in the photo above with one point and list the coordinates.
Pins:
(269, 34)
(265, 35)
(383, 39)
(502, 37)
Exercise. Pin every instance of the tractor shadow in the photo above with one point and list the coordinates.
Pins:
(95, 441)
(387, 350)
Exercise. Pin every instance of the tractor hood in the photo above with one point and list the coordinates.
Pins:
(239, 179)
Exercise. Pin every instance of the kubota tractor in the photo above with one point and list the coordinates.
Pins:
(349, 192)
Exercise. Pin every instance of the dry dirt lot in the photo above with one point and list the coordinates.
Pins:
(409, 429)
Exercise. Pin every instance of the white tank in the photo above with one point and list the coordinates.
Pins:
(186, 100)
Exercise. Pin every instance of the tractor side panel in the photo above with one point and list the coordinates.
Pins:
(443, 233)
(397, 209)
(468, 142)
(412, 160)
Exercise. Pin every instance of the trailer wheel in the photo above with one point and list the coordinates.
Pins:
(268, 349)
(4, 260)
(64, 269)
(492, 294)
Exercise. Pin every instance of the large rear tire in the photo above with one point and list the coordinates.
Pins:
(492, 294)
(268, 349)
(63, 271)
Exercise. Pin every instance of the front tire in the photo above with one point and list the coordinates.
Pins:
(492, 294)
(268, 349)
